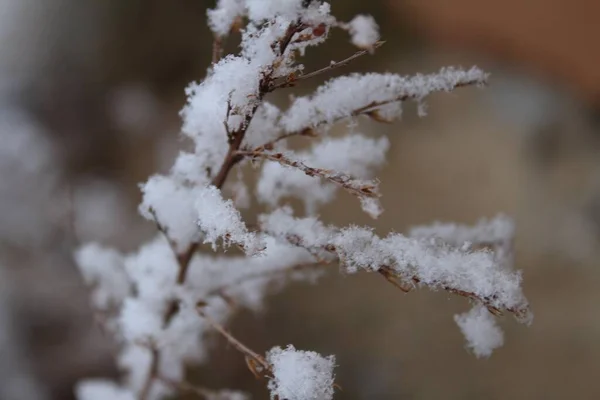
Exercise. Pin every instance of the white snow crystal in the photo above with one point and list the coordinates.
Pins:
(434, 264)
(431, 262)
(480, 329)
(300, 375)
(219, 219)
(364, 31)
(171, 204)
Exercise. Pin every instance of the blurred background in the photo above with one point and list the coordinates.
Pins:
(89, 99)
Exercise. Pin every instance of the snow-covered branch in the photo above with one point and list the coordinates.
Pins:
(366, 191)
(414, 262)
(162, 300)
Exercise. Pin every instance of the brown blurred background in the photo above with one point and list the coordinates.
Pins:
(89, 95)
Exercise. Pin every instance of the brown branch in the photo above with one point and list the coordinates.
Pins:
(231, 158)
(309, 132)
(356, 187)
(368, 110)
(152, 374)
(377, 104)
(242, 348)
(403, 282)
(187, 387)
(293, 79)
(217, 49)
(184, 259)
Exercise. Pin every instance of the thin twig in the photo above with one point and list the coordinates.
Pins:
(235, 138)
(367, 109)
(217, 49)
(242, 348)
(260, 275)
(152, 373)
(187, 387)
(392, 276)
(232, 158)
(292, 79)
(356, 187)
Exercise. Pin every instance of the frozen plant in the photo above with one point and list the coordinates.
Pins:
(162, 301)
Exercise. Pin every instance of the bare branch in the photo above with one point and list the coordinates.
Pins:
(407, 283)
(217, 49)
(152, 374)
(357, 187)
(292, 80)
(187, 387)
(242, 348)
(231, 159)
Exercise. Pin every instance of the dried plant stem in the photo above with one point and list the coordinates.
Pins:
(152, 373)
(218, 291)
(356, 187)
(368, 110)
(293, 79)
(187, 387)
(242, 348)
(232, 158)
(407, 283)
(217, 49)
(184, 257)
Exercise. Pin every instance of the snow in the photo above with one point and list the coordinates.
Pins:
(356, 155)
(364, 31)
(480, 329)
(345, 96)
(171, 204)
(300, 375)
(427, 262)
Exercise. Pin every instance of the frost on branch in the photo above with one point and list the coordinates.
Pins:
(357, 94)
(300, 375)
(188, 214)
(500, 229)
(426, 262)
(480, 329)
(219, 219)
(171, 204)
(297, 175)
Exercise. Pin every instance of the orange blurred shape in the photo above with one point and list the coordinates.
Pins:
(557, 38)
